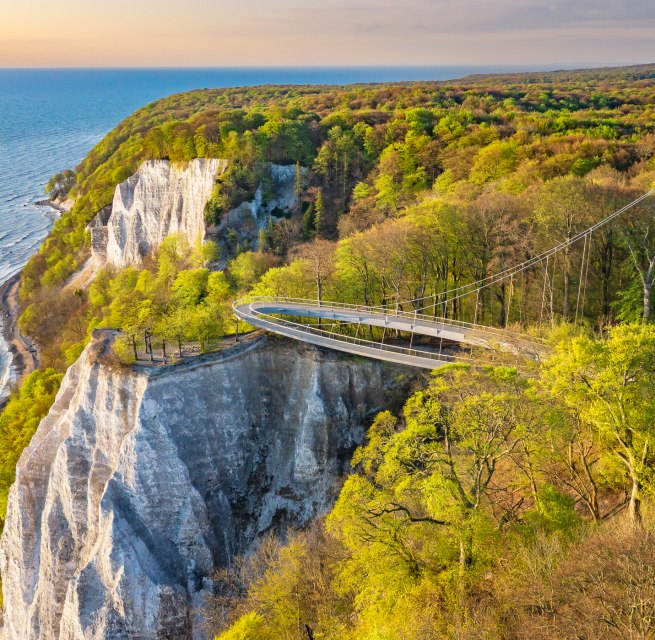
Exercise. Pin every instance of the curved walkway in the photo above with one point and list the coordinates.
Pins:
(265, 313)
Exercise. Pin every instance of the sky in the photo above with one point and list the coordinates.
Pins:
(137, 33)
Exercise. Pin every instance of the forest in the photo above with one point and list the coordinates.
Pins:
(502, 502)
(496, 505)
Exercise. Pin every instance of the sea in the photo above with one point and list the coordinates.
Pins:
(51, 118)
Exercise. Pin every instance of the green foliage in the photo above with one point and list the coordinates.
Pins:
(376, 152)
(74, 351)
(293, 281)
(248, 267)
(123, 350)
(468, 505)
(60, 185)
(610, 383)
(248, 627)
(425, 187)
(235, 185)
(556, 512)
(496, 161)
(19, 421)
(319, 213)
(173, 299)
(428, 186)
(629, 304)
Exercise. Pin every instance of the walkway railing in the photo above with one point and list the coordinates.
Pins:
(246, 309)
(391, 313)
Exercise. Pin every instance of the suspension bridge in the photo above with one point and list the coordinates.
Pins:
(342, 326)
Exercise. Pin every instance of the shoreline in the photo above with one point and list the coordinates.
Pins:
(52, 204)
(25, 356)
(24, 353)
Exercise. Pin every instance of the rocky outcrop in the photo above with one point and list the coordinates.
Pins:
(159, 199)
(100, 235)
(163, 198)
(64, 204)
(140, 483)
(275, 197)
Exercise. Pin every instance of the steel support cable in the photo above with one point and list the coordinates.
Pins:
(543, 292)
(582, 265)
(586, 273)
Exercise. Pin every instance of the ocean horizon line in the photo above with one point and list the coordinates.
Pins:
(554, 66)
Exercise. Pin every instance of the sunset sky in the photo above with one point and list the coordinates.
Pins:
(324, 32)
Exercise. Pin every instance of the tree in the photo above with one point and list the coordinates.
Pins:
(308, 222)
(603, 589)
(500, 237)
(250, 625)
(18, 423)
(205, 325)
(319, 255)
(173, 255)
(61, 184)
(610, 382)
(319, 212)
(570, 456)
(176, 326)
(562, 210)
(357, 278)
(248, 267)
(289, 281)
(437, 474)
(190, 287)
(641, 244)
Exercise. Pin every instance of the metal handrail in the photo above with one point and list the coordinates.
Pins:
(505, 333)
(268, 319)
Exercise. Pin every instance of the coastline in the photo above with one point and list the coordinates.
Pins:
(25, 356)
(61, 208)
(23, 353)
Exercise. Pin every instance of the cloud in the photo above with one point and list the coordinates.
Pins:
(468, 16)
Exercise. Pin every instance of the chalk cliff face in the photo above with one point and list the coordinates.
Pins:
(159, 199)
(140, 483)
(163, 198)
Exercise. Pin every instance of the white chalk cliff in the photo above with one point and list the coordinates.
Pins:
(141, 482)
(159, 199)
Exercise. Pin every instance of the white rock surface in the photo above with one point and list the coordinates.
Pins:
(159, 199)
(139, 484)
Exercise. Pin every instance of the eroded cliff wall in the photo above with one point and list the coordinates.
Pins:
(275, 197)
(139, 484)
(159, 199)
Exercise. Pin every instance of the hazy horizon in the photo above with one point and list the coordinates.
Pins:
(256, 33)
(517, 68)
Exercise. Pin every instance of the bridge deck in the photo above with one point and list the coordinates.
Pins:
(264, 313)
